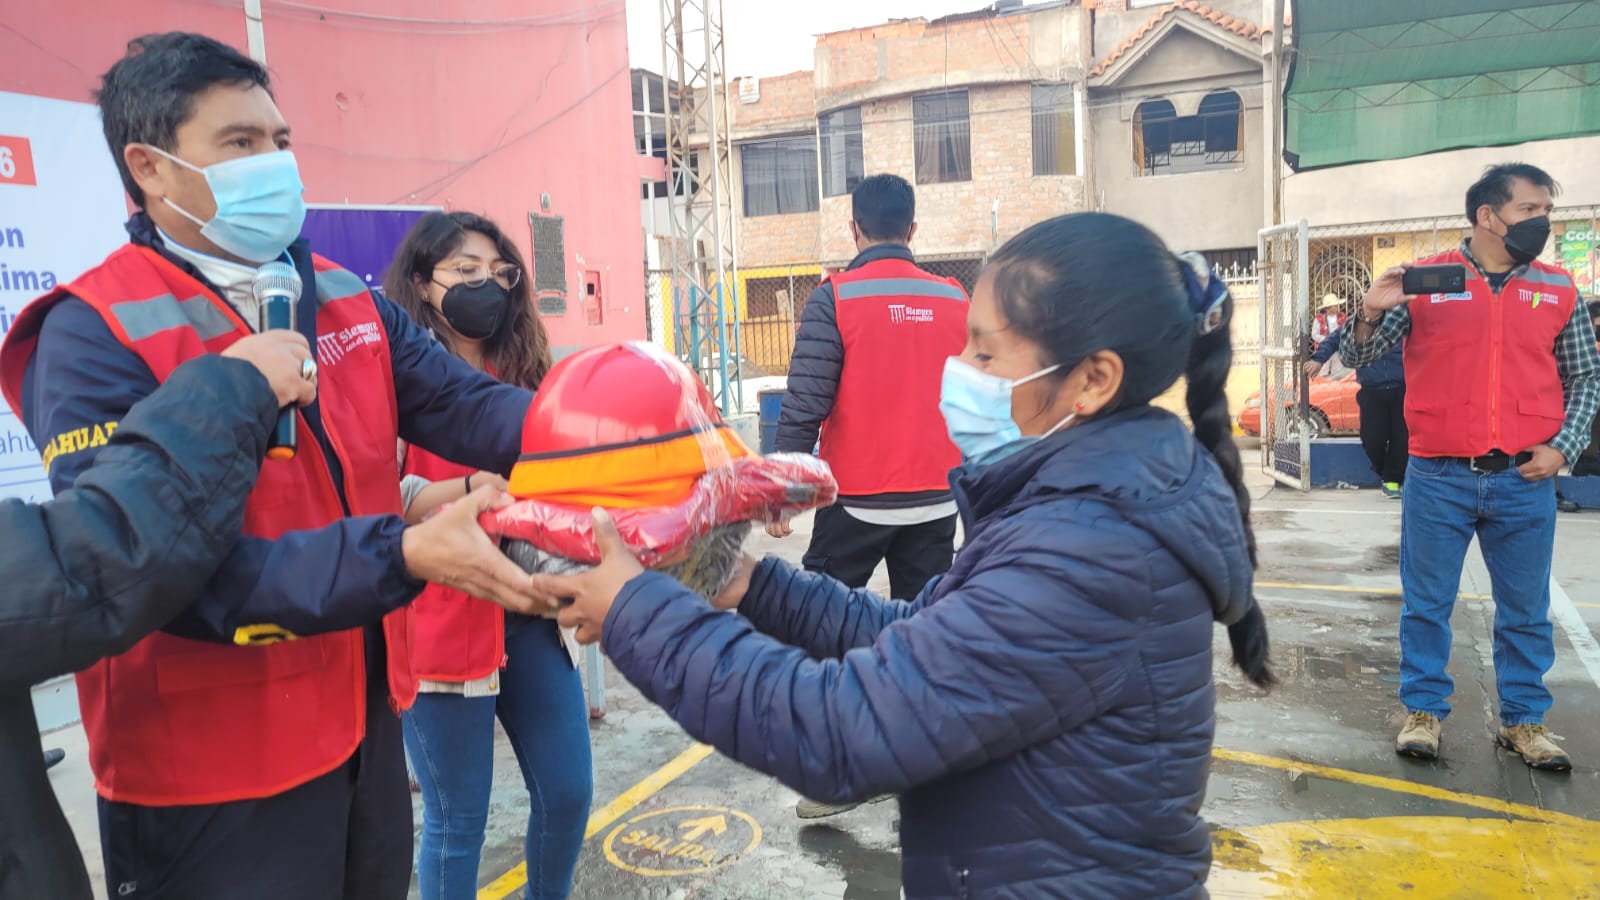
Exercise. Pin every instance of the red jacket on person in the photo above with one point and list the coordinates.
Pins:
(1481, 373)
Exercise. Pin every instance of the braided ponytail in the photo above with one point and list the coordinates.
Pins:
(1210, 358)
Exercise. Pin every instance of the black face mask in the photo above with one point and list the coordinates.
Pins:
(476, 312)
(1525, 240)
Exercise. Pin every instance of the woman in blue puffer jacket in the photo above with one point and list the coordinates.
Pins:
(1045, 710)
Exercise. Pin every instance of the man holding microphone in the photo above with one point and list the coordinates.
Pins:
(248, 749)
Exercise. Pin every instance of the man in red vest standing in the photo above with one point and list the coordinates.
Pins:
(248, 749)
(865, 375)
(1502, 382)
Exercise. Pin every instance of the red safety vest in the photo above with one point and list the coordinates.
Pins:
(175, 721)
(898, 324)
(454, 636)
(1480, 369)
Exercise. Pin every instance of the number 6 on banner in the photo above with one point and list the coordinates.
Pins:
(16, 160)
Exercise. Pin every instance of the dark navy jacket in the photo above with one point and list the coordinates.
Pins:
(102, 566)
(307, 582)
(1387, 371)
(1045, 709)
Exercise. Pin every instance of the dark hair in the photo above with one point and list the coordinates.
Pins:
(1494, 188)
(884, 206)
(519, 352)
(1594, 308)
(1078, 284)
(150, 91)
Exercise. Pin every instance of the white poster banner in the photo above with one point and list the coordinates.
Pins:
(61, 212)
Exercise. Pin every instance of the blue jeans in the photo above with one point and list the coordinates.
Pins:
(450, 739)
(1515, 520)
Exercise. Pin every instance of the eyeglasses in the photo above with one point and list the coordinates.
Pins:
(474, 275)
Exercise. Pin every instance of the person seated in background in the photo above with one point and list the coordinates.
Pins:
(1382, 403)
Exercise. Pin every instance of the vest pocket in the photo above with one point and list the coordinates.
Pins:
(208, 667)
(1433, 423)
(1539, 418)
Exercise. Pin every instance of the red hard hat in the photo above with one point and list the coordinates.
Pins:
(615, 394)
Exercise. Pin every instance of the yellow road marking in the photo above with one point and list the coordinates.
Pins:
(677, 846)
(1351, 589)
(512, 881)
(1404, 856)
(1382, 783)
(1387, 592)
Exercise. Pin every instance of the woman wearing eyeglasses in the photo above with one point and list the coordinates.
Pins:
(458, 275)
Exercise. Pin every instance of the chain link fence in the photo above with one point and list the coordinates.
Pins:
(774, 299)
(1283, 263)
(656, 302)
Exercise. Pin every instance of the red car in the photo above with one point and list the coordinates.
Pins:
(1333, 405)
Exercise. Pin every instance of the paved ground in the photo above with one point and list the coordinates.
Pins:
(1307, 797)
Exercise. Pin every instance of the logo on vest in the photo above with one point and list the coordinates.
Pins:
(1446, 298)
(900, 314)
(334, 346)
(1529, 295)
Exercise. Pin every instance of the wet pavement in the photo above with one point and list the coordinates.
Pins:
(1307, 798)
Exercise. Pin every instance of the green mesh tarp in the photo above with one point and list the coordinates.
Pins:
(1384, 79)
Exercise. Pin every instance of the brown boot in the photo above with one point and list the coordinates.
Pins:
(1533, 744)
(1419, 739)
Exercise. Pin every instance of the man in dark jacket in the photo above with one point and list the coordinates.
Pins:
(115, 557)
(865, 375)
(872, 345)
(1382, 401)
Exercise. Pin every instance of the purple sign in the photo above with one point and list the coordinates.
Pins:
(362, 239)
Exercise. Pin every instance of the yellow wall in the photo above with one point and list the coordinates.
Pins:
(1242, 382)
(734, 306)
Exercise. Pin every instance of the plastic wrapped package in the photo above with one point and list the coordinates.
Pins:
(629, 428)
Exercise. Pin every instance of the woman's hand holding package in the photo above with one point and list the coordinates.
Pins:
(591, 593)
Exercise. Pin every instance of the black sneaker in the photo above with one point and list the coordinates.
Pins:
(54, 756)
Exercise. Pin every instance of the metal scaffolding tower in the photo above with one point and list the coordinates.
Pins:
(704, 245)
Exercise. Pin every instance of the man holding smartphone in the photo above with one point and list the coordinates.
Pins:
(1503, 380)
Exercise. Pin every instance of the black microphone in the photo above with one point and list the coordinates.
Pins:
(277, 290)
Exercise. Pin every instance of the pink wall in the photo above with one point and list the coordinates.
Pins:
(480, 106)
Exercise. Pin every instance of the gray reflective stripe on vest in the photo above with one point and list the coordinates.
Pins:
(142, 319)
(897, 287)
(336, 283)
(1555, 279)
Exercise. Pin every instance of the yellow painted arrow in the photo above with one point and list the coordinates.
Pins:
(697, 827)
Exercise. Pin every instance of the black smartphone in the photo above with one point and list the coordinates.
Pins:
(1449, 279)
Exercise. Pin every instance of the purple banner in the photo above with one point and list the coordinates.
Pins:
(362, 240)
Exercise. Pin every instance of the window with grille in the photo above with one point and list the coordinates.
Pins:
(942, 134)
(1165, 143)
(839, 139)
(780, 176)
(1055, 138)
(965, 271)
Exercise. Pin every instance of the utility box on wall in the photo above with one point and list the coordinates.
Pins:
(549, 263)
(594, 298)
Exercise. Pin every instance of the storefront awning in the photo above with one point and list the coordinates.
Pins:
(1385, 79)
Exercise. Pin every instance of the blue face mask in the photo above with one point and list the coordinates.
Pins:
(260, 204)
(977, 412)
